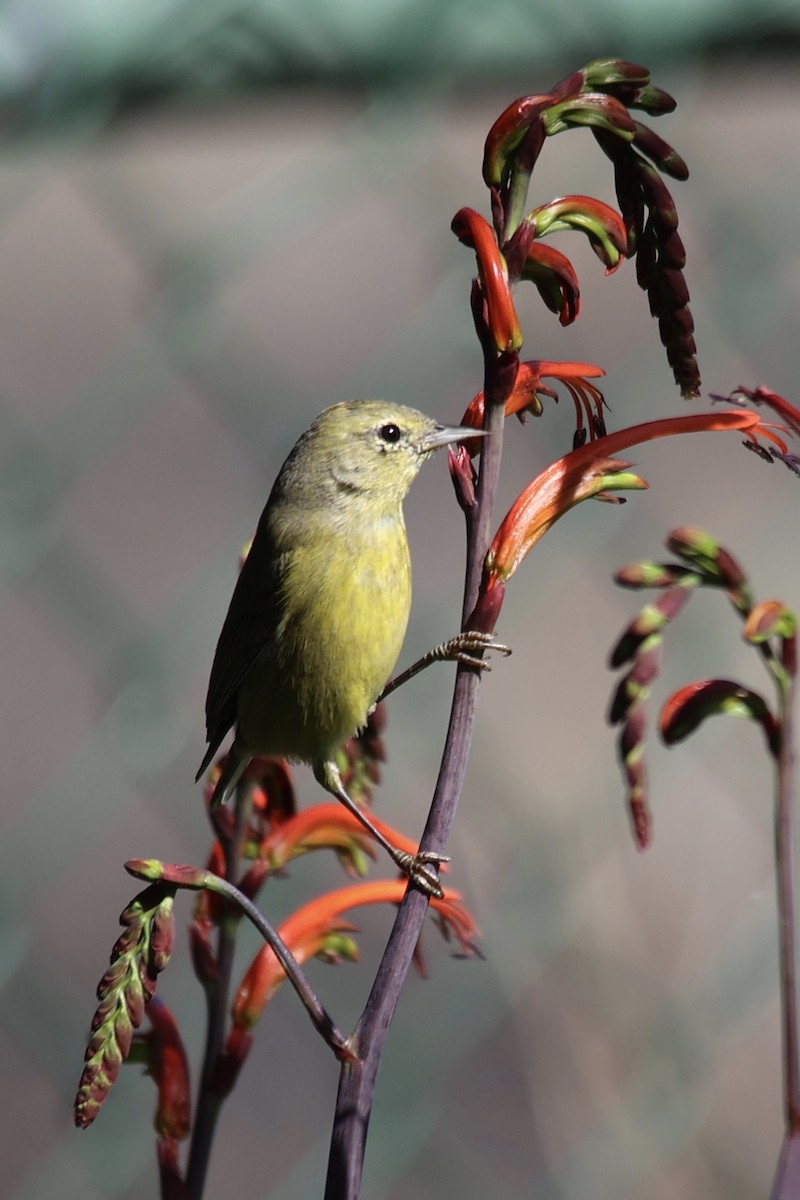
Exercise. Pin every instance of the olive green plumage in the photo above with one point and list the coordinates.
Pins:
(320, 609)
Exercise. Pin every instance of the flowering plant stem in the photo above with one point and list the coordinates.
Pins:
(209, 1100)
(218, 995)
(358, 1076)
(788, 1176)
(785, 838)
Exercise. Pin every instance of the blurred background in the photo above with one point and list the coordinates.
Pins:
(215, 219)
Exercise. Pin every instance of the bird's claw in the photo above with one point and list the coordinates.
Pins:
(458, 649)
(418, 869)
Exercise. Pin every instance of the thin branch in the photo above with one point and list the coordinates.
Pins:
(358, 1077)
(217, 991)
(209, 1099)
(785, 852)
(320, 1018)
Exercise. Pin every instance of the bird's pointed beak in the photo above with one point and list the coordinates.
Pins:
(444, 435)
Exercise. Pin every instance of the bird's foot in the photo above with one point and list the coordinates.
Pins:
(420, 869)
(464, 648)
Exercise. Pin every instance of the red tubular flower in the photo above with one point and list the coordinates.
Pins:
(691, 705)
(475, 231)
(315, 928)
(506, 134)
(786, 411)
(553, 493)
(328, 826)
(529, 385)
(462, 471)
(556, 279)
(169, 1066)
(602, 224)
(584, 473)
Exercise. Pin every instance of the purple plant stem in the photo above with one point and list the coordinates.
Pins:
(357, 1080)
(209, 1101)
(787, 1178)
(785, 847)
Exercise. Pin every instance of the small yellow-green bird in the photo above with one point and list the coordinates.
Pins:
(320, 609)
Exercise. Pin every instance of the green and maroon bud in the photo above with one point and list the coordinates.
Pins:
(634, 687)
(126, 986)
(556, 280)
(770, 619)
(596, 109)
(665, 157)
(255, 877)
(162, 934)
(604, 72)
(631, 753)
(649, 574)
(653, 100)
(603, 226)
(178, 874)
(690, 706)
(707, 555)
(506, 135)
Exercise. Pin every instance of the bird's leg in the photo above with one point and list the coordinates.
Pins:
(463, 648)
(418, 867)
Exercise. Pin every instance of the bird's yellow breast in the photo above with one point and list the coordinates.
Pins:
(347, 597)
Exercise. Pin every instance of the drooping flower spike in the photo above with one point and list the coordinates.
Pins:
(588, 471)
(598, 97)
(768, 626)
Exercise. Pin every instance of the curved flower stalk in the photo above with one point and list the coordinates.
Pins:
(320, 930)
(139, 954)
(586, 472)
(600, 97)
(274, 834)
(771, 628)
(768, 626)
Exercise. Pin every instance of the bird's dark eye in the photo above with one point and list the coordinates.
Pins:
(390, 433)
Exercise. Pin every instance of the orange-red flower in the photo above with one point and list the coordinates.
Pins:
(475, 231)
(169, 1066)
(556, 279)
(691, 705)
(331, 826)
(602, 224)
(585, 472)
(529, 385)
(317, 929)
(787, 412)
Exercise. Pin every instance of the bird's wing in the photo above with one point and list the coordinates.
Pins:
(247, 635)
